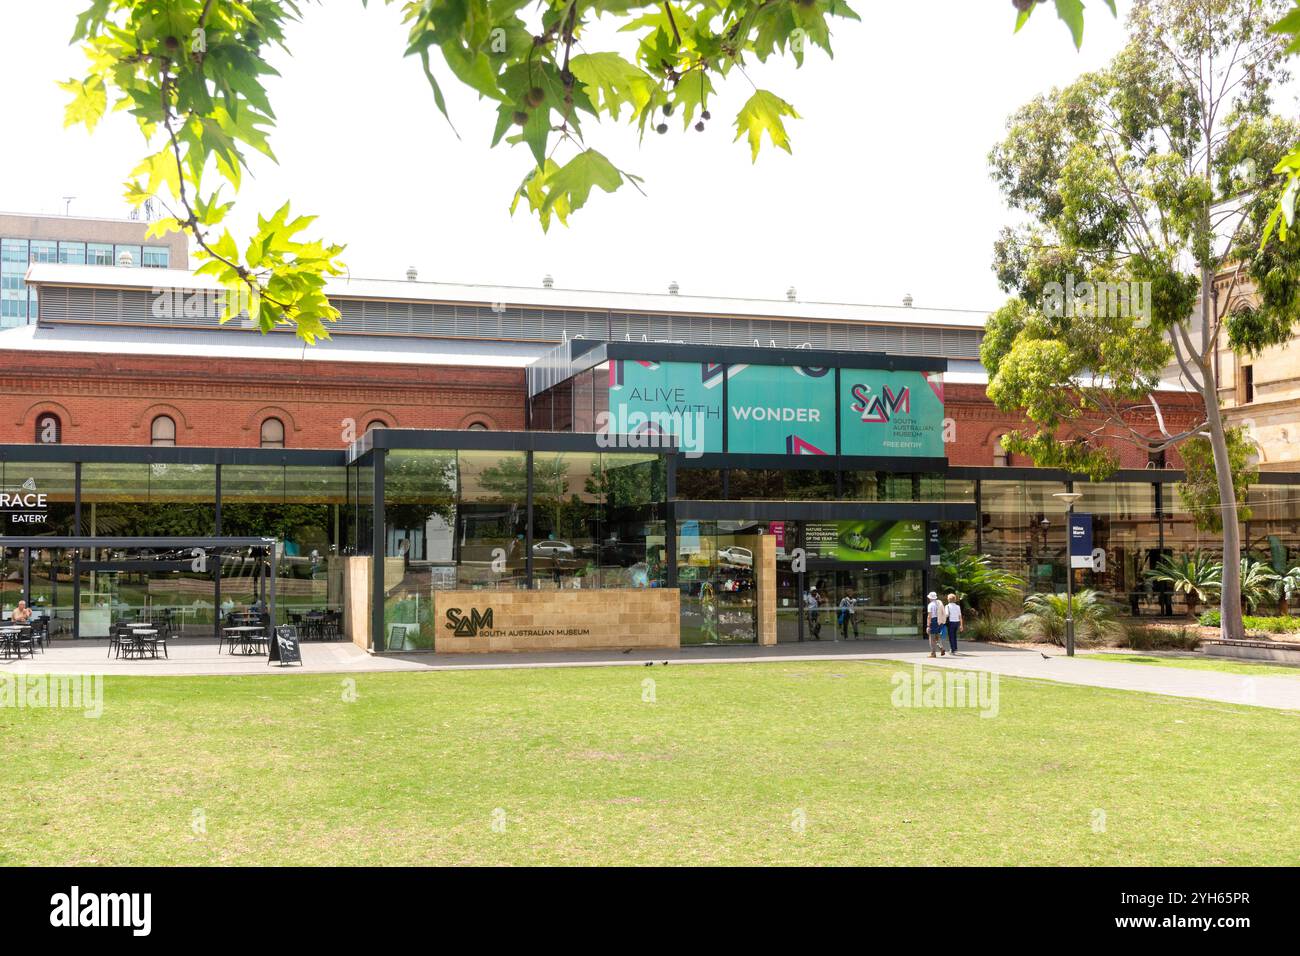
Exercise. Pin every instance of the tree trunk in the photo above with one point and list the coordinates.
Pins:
(1231, 626)
(1230, 598)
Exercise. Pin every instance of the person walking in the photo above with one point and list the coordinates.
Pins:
(955, 623)
(936, 617)
(812, 603)
(846, 618)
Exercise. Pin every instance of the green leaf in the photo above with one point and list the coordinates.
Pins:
(611, 81)
(159, 169)
(762, 113)
(692, 93)
(89, 100)
(572, 183)
(1071, 11)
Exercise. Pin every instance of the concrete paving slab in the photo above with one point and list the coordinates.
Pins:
(200, 658)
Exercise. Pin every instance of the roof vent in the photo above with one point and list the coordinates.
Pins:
(548, 281)
(907, 301)
(412, 273)
(674, 288)
(791, 294)
(125, 259)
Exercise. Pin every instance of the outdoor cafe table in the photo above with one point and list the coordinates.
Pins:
(9, 640)
(243, 634)
(139, 634)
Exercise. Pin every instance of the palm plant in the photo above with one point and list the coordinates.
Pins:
(1287, 584)
(1196, 575)
(1095, 619)
(973, 578)
(1258, 583)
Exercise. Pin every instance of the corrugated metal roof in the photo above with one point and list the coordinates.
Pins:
(274, 345)
(397, 290)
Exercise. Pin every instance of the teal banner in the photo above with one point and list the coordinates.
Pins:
(891, 413)
(780, 410)
(682, 399)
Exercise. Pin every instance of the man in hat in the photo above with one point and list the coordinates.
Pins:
(936, 620)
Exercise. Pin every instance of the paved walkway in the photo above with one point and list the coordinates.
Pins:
(200, 657)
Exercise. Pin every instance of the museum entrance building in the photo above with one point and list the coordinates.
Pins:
(662, 494)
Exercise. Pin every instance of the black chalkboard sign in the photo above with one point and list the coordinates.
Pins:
(285, 648)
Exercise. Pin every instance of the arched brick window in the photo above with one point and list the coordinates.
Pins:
(272, 435)
(49, 430)
(162, 431)
(1000, 457)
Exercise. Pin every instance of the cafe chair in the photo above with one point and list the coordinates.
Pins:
(115, 640)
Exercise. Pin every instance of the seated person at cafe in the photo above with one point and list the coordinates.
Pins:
(22, 613)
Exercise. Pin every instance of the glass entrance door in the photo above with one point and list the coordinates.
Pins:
(886, 603)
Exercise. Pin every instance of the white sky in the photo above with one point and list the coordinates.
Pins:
(887, 191)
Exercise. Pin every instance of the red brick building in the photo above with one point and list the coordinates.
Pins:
(123, 356)
(219, 400)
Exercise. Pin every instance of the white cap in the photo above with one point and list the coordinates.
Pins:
(932, 596)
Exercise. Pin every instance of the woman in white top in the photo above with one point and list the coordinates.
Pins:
(955, 623)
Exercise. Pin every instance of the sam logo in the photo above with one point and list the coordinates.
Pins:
(877, 408)
(468, 625)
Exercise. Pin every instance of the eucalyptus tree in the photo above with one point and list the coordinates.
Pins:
(1141, 185)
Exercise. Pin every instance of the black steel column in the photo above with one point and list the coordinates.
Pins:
(378, 546)
(76, 499)
(1160, 515)
(217, 491)
(528, 521)
(670, 521)
(979, 517)
(275, 571)
(216, 556)
(77, 530)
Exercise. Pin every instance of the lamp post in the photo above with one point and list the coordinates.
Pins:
(1069, 497)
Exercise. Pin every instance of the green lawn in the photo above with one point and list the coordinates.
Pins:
(281, 769)
(1226, 665)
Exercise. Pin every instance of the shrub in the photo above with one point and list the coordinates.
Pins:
(1148, 637)
(1095, 619)
(998, 629)
(1258, 583)
(1273, 625)
(976, 582)
(1211, 618)
(1196, 575)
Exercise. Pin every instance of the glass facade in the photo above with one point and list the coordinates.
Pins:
(306, 508)
(459, 519)
(18, 302)
(563, 513)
